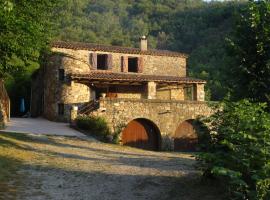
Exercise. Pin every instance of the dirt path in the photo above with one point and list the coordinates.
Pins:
(62, 168)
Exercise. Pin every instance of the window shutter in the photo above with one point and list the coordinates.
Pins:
(94, 60)
(140, 65)
(124, 64)
(109, 62)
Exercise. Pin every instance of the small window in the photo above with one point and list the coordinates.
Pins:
(61, 109)
(102, 61)
(61, 74)
(189, 93)
(132, 64)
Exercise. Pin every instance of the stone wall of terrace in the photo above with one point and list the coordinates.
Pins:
(165, 114)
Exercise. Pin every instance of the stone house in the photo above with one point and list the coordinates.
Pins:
(147, 90)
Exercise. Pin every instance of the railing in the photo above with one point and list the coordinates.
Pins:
(5, 101)
(88, 107)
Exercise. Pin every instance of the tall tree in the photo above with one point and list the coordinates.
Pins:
(25, 29)
(250, 48)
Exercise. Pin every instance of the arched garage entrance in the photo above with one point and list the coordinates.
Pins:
(186, 136)
(141, 133)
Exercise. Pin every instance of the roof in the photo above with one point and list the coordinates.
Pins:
(132, 77)
(115, 49)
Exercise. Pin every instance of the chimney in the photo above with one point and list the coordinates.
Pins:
(143, 43)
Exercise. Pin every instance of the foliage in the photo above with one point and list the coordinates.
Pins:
(96, 126)
(239, 149)
(25, 31)
(117, 133)
(250, 48)
(26, 28)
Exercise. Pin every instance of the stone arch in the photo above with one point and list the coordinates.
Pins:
(142, 133)
(187, 135)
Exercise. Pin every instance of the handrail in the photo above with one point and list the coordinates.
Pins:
(88, 107)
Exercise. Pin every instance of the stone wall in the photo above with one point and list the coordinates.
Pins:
(58, 91)
(175, 92)
(78, 61)
(167, 115)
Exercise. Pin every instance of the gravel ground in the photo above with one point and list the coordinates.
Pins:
(66, 168)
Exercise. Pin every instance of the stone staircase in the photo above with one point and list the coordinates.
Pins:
(87, 108)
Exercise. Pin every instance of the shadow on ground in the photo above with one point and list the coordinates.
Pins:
(72, 168)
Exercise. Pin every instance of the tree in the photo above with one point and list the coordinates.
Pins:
(238, 151)
(25, 31)
(250, 48)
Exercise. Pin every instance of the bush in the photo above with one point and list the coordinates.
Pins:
(95, 126)
(117, 133)
(238, 149)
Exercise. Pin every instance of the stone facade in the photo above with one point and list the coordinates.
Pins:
(167, 115)
(78, 61)
(49, 92)
(155, 92)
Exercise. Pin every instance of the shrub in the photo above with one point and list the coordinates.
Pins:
(117, 132)
(238, 149)
(96, 126)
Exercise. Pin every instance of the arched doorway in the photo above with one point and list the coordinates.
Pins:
(186, 136)
(141, 133)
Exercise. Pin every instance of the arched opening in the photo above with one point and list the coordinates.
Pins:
(141, 133)
(188, 135)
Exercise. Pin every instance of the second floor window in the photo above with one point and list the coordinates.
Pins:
(101, 61)
(132, 64)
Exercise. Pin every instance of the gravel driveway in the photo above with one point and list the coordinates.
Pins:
(69, 168)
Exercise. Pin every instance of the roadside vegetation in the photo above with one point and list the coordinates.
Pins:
(93, 126)
(98, 127)
(238, 151)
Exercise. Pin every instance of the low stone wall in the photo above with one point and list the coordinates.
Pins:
(166, 114)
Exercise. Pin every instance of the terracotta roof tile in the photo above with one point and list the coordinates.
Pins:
(112, 76)
(116, 49)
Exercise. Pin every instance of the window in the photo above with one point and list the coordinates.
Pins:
(102, 60)
(61, 74)
(132, 64)
(61, 109)
(189, 93)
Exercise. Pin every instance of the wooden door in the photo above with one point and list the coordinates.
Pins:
(140, 134)
(185, 137)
